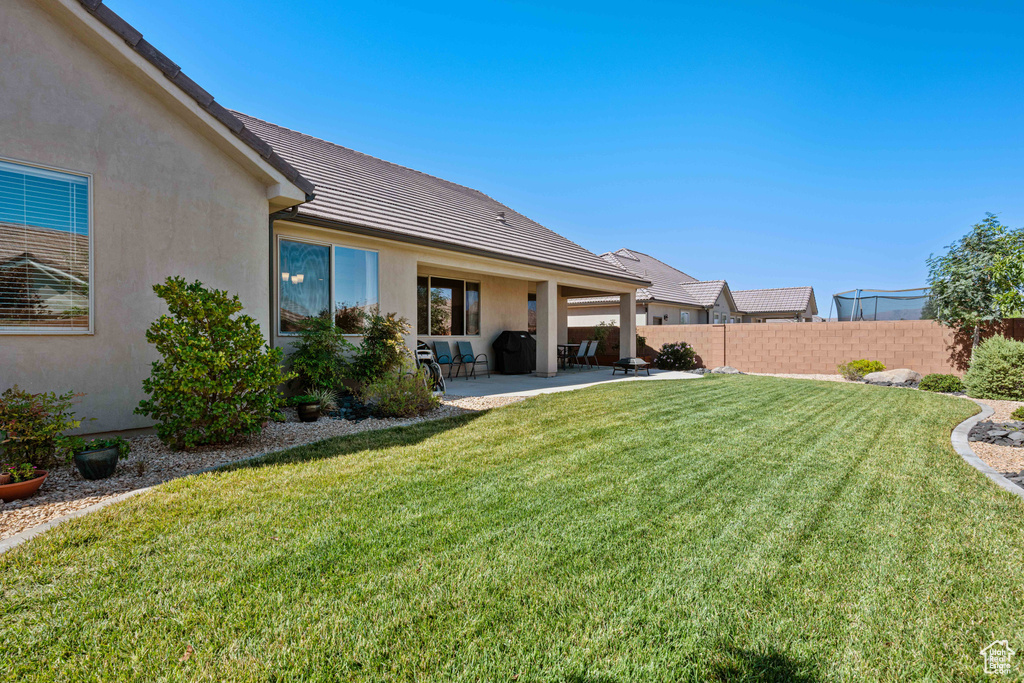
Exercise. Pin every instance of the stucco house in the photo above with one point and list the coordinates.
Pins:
(677, 298)
(117, 170)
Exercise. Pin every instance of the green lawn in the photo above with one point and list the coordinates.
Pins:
(731, 528)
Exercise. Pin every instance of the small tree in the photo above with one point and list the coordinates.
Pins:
(966, 288)
(383, 348)
(217, 380)
(319, 355)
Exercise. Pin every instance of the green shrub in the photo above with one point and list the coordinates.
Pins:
(676, 356)
(32, 426)
(856, 369)
(997, 370)
(216, 381)
(1018, 414)
(79, 445)
(403, 394)
(948, 384)
(320, 353)
(383, 350)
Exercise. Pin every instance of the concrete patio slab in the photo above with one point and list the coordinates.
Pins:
(531, 385)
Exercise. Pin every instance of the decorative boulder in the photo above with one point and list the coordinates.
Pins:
(900, 376)
(726, 370)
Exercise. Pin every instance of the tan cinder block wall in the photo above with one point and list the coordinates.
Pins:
(817, 348)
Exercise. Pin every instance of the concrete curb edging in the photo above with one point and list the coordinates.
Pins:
(22, 536)
(962, 446)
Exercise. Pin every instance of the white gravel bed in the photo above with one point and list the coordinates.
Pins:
(151, 462)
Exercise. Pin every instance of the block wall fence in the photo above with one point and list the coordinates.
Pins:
(813, 348)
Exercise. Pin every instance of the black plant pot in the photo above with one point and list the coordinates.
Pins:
(98, 464)
(308, 412)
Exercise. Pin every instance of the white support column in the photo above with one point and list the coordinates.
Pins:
(563, 320)
(627, 325)
(547, 328)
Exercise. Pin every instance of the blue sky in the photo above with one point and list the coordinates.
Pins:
(769, 144)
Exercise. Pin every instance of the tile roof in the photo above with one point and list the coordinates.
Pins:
(358, 190)
(205, 100)
(777, 300)
(668, 284)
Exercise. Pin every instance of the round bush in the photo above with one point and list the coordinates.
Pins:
(677, 356)
(856, 369)
(948, 384)
(997, 370)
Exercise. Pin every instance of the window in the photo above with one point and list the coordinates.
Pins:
(531, 313)
(447, 307)
(45, 250)
(321, 279)
(684, 317)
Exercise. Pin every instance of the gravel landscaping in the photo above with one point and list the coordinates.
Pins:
(151, 462)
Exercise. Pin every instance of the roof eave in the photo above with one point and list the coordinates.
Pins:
(369, 231)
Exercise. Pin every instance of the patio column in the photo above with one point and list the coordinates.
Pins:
(563, 320)
(627, 325)
(547, 328)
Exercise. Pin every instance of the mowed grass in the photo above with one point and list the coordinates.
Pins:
(729, 528)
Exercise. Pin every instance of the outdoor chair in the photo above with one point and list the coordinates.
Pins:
(581, 354)
(467, 357)
(445, 357)
(592, 356)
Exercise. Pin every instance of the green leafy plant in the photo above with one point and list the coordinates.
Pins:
(216, 381)
(320, 353)
(302, 400)
(601, 331)
(978, 280)
(997, 370)
(80, 445)
(383, 349)
(675, 356)
(641, 344)
(20, 472)
(327, 398)
(948, 384)
(855, 370)
(34, 425)
(403, 394)
(1018, 414)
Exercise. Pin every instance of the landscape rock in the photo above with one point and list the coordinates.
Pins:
(999, 433)
(726, 370)
(891, 377)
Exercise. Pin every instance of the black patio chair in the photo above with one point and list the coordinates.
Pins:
(592, 356)
(581, 355)
(467, 357)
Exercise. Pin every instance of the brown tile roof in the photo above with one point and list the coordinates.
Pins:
(205, 100)
(361, 192)
(777, 300)
(668, 284)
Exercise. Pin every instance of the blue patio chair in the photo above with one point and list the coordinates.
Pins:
(444, 355)
(581, 355)
(467, 357)
(592, 356)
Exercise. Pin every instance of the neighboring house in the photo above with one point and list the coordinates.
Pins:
(676, 298)
(117, 171)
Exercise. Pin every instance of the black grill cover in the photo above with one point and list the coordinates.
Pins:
(515, 353)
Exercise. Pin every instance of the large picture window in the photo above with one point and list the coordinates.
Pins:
(447, 307)
(45, 265)
(321, 280)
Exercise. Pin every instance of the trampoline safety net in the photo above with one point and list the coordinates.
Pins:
(881, 304)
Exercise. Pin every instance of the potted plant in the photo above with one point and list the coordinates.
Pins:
(307, 407)
(24, 480)
(97, 459)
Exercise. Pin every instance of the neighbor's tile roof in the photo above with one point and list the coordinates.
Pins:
(668, 284)
(126, 32)
(355, 189)
(778, 300)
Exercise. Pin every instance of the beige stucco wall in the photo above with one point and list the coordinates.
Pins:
(589, 316)
(165, 202)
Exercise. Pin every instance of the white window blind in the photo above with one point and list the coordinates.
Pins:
(44, 249)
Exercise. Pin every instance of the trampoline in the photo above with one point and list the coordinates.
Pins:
(881, 304)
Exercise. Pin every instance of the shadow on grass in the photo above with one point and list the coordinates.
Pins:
(733, 663)
(351, 444)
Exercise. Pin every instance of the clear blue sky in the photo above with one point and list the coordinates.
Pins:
(769, 144)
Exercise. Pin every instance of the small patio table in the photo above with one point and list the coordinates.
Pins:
(634, 364)
(565, 354)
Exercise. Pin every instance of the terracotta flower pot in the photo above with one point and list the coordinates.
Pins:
(97, 464)
(308, 412)
(22, 489)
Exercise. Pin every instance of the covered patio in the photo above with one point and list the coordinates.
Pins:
(533, 385)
